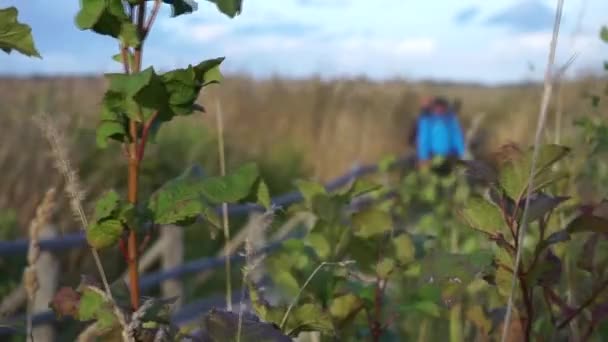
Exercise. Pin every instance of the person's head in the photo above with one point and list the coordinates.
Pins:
(440, 106)
(426, 102)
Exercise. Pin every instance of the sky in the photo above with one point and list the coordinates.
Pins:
(488, 41)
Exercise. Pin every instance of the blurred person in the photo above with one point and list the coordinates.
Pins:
(439, 136)
(425, 109)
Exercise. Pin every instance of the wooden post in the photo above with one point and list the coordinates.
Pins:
(47, 270)
(172, 256)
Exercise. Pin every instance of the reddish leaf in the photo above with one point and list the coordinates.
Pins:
(65, 302)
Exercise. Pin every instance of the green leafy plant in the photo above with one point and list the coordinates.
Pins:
(134, 107)
(498, 216)
(15, 35)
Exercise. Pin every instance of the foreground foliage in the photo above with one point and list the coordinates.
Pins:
(384, 260)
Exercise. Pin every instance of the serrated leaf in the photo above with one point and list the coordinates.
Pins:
(106, 205)
(15, 35)
(110, 130)
(319, 243)
(371, 222)
(308, 317)
(514, 173)
(345, 306)
(184, 85)
(105, 17)
(104, 234)
(181, 200)
(232, 187)
(90, 13)
(231, 8)
(405, 250)
(263, 195)
(177, 204)
(483, 215)
(310, 189)
(93, 306)
(286, 281)
(385, 267)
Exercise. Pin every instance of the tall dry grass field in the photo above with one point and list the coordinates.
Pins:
(331, 124)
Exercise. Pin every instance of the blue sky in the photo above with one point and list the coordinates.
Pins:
(464, 40)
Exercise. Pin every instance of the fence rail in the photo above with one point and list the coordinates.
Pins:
(148, 281)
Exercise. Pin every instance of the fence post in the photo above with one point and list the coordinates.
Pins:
(172, 256)
(47, 271)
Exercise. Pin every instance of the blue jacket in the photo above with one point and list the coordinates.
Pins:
(439, 135)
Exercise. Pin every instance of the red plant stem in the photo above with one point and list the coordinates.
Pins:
(134, 175)
(526, 322)
(376, 325)
(144, 137)
(150, 22)
(145, 242)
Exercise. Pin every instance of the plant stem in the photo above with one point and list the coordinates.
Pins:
(585, 304)
(526, 322)
(132, 246)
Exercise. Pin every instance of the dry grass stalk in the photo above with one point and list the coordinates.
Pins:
(253, 242)
(542, 117)
(30, 279)
(73, 188)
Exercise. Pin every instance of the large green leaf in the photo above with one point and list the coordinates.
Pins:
(183, 199)
(405, 250)
(93, 306)
(515, 171)
(15, 35)
(371, 222)
(106, 205)
(483, 216)
(230, 8)
(345, 306)
(308, 317)
(310, 189)
(184, 85)
(232, 187)
(104, 234)
(179, 7)
(107, 17)
(140, 95)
